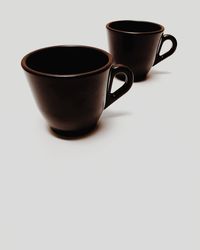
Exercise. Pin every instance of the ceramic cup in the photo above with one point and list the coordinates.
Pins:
(72, 85)
(137, 44)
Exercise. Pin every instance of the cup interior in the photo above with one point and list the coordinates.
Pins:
(66, 60)
(135, 26)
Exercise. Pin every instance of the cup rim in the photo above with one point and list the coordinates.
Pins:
(92, 72)
(108, 26)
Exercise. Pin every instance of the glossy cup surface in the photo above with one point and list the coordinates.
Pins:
(137, 44)
(70, 85)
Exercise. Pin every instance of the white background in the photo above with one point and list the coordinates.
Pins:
(134, 183)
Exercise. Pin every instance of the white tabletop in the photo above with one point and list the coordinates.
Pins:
(131, 184)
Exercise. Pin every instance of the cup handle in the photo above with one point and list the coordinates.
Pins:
(159, 57)
(116, 69)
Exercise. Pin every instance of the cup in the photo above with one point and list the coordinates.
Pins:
(72, 85)
(138, 44)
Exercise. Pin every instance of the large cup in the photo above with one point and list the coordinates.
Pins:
(138, 44)
(72, 85)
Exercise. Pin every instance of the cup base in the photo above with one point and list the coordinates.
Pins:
(121, 77)
(72, 134)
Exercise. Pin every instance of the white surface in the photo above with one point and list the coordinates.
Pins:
(131, 184)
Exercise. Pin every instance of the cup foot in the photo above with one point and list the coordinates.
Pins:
(121, 77)
(72, 134)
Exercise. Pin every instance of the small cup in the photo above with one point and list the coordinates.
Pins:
(137, 44)
(72, 85)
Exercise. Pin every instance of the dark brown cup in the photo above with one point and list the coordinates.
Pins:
(72, 85)
(137, 44)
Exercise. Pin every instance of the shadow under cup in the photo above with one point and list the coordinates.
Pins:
(138, 44)
(72, 85)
